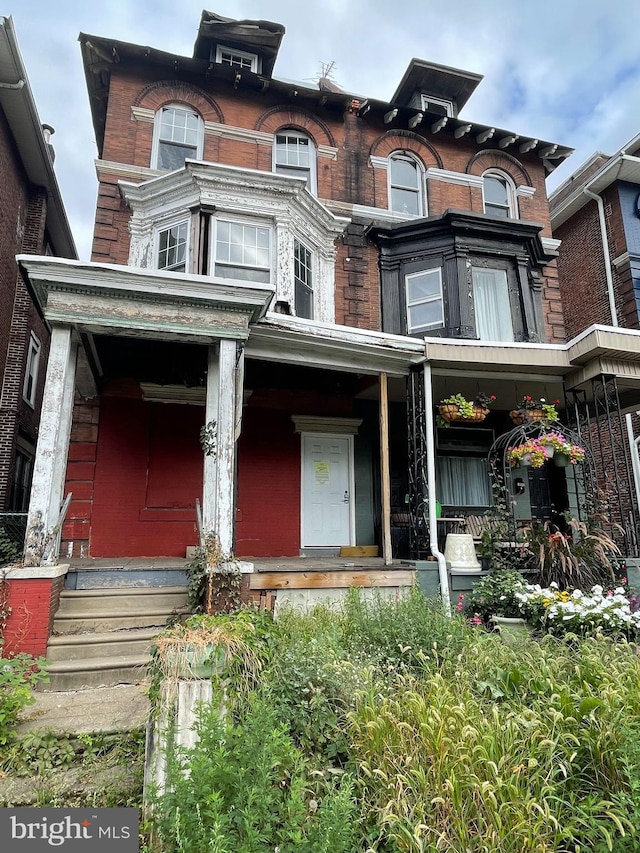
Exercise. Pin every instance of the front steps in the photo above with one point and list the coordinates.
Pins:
(102, 637)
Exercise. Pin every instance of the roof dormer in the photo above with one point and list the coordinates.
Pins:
(435, 88)
(246, 45)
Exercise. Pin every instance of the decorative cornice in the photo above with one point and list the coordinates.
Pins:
(621, 260)
(525, 191)
(142, 114)
(450, 177)
(379, 162)
(238, 134)
(327, 151)
(122, 170)
(315, 423)
(550, 245)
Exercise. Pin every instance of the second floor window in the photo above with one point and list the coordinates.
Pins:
(30, 385)
(172, 247)
(242, 251)
(499, 196)
(303, 277)
(491, 304)
(424, 301)
(295, 154)
(406, 185)
(179, 136)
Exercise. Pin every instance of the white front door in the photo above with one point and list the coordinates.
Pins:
(326, 490)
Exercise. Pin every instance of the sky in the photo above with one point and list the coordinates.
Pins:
(559, 70)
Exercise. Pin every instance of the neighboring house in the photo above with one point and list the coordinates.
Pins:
(33, 222)
(596, 214)
(303, 272)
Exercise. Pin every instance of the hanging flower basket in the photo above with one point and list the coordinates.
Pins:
(457, 408)
(451, 413)
(561, 460)
(529, 410)
(526, 416)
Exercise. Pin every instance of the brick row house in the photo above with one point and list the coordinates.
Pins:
(33, 222)
(595, 212)
(304, 273)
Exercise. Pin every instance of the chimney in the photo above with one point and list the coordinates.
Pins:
(47, 132)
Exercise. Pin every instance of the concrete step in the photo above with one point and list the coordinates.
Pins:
(76, 647)
(97, 672)
(83, 623)
(125, 601)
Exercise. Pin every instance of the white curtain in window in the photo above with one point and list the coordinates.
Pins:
(463, 481)
(491, 304)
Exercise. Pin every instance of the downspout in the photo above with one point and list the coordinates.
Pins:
(431, 486)
(605, 253)
(633, 442)
(13, 86)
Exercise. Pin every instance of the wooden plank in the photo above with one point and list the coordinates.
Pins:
(384, 471)
(329, 580)
(359, 551)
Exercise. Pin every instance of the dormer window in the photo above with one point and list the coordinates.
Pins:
(237, 58)
(178, 135)
(406, 185)
(431, 104)
(499, 195)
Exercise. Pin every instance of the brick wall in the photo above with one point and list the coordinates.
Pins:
(349, 178)
(22, 228)
(33, 603)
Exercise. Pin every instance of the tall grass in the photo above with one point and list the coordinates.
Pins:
(442, 737)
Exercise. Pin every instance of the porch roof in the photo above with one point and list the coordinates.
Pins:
(292, 340)
(135, 302)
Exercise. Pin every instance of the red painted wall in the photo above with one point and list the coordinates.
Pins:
(268, 516)
(148, 475)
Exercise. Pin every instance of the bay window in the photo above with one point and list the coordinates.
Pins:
(172, 247)
(491, 304)
(242, 251)
(424, 301)
(303, 280)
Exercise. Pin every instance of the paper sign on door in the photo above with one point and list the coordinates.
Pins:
(321, 473)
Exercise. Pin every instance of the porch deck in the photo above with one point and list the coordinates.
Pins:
(269, 573)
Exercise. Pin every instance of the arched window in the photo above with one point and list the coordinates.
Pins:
(499, 195)
(295, 154)
(178, 135)
(406, 185)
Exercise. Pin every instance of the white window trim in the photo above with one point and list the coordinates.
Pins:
(511, 190)
(155, 148)
(312, 185)
(423, 329)
(32, 368)
(314, 274)
(241, 54)
(251, 223)
(156, 243)
(423, 202)
(425, 100)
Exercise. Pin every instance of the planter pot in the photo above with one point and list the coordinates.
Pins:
(451, 413)
(460, 553)
(561, 460)
(526, 460)
(187, 661)
(525, 416)
(549, 450)
(510, 625)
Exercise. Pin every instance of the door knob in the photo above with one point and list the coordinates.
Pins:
(345, 500)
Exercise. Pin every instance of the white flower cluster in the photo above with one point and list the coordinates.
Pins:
(578, 610)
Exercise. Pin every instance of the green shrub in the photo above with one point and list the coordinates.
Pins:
(247, 788)
(17, 676)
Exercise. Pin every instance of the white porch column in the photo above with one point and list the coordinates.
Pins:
(50, 463)
(218, 491)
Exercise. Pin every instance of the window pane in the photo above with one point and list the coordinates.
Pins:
(172, 157)
(425, 314)
(172, 248)
(423, 285)
(491, 305)
(304, 301)
(242, 246)
(463, 481)
(405, 201)
(495, 191)
(404, 173)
